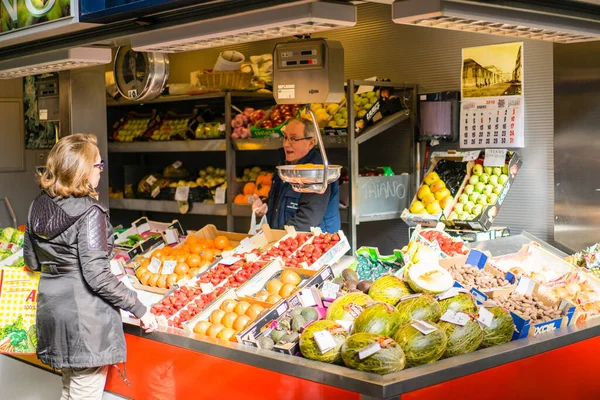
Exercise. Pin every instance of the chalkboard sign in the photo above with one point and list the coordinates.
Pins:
(382, 196)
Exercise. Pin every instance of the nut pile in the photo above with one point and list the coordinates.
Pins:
(529, 307)
(470, 276)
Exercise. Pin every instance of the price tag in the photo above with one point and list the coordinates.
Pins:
(182, 193)
(222, 128)
(494, 158)
(151, 180)
(307, 298)
(162, 320)
(220, 195)
(154, 265)
(354, 309)
(169, 266)
(229, 260)
(324, 340)
(457, 318)
(471, 155)
(525, 286)
(326, 273)
(304, 265)
(423, 327)
(43, 115)
(453, 291)
(155, 192)
(281, 309)
(207, 287)
(177, 164)
(485, 316)
(347, 325)
(172, 236)
(369, 350)
(330, 290)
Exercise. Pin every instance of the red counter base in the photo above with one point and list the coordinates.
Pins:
(160, 371)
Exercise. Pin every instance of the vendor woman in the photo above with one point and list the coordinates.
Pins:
(300, 210)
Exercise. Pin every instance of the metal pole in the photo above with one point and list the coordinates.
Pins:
(229, 163)
(353, 218)
(321, 149)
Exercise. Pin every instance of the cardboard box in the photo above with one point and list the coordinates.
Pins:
(431, 220)
(485, 220)
(210, 232)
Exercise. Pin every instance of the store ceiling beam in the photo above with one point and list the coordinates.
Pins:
(553, 21)
(118, 33)
(283, 21)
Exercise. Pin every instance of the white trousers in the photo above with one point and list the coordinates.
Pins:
(83, 383)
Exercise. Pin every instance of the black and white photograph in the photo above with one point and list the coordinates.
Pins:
(494, 70)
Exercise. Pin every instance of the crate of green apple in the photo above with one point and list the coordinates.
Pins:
(480, 200)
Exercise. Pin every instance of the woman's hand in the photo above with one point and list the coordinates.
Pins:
(148, 322)
(259, 207)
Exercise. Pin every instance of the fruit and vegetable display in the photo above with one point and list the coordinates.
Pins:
(483, 189)
(229, 319)
(170, 129)
(370, 265)
(15, 339)
(530, 307)
(11, 241)
(242, 122)
(277, 115)
(588, 258)
(324, 113)
(280, 287)
(433, 196)
(258, 184)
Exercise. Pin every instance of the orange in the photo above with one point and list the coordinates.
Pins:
(254, 311)
(145, 263)
(249, 188)
(274, 286)
(286, 290)
(201, 327)
(241, 307)
(193, 272)
(273, 298)
(226, 334)
(217, 316)
(214, 330)
(229, 319)
(208, 244)
(207, 255)
(191, 240)
(221, 242)
(291, 277)
(181, 257)
(182, 269)
(172, 280)
(228, 305)
(241, 322)
(196, 248)
(157, 253)
(145, 276)
(193, 260)
(167, 250)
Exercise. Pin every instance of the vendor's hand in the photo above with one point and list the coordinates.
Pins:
(259, 208)
(148, 322)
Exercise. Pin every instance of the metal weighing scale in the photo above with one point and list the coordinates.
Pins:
(306, 72)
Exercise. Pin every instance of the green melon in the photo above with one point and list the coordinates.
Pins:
(389, 289)
(347, 307)
(500, 330)
(421, 349)
(310, 349)
(380, 318)
(389, 359)
(424, 308)
(462, 302)
(462, 339)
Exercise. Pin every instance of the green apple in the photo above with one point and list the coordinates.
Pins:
(464, 198)
(487, 170)
(478, 170)
(505, 169)
(503, 179)
(482, 199)
(469, 189)
(453, 215)
(474, 180)
(477, 210)
(464, 216)
(479, 187)
(489, 189)
(469, 206)
(474, 196)
(493, 179)
(498, 189)
(492, 198)
(497, 171)
(484, 178)
(459, 207)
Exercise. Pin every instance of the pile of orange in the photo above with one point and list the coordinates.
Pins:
(230, 318)
(260, 188)
(190, 256)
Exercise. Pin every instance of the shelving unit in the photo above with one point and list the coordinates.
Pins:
(354, 214)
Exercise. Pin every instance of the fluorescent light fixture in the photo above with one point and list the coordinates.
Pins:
(270, 23)
(59, 60)
(470, 16)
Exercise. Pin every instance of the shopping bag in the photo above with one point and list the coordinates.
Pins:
(254, 228)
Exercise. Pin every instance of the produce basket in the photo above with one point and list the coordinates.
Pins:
(225, 80)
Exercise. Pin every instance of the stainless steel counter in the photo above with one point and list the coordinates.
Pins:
(372, 386)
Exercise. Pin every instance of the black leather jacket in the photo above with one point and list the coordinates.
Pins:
(78, 320)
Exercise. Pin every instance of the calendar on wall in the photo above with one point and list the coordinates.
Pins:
(491, 112)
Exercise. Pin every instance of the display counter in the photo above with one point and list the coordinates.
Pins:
(170, 365)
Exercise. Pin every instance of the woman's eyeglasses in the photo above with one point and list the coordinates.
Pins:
(101, 165)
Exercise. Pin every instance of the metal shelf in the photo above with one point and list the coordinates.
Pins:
(383, 125)
(167, 146)
(330, 142)
(206, 96)
(167, 206)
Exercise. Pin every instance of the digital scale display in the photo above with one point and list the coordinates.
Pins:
(309, 57)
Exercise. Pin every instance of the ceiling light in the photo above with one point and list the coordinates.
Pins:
(59, 60)
(271, 23)
(520, 22)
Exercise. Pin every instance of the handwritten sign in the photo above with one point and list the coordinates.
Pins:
(494, 158)
(382, 194)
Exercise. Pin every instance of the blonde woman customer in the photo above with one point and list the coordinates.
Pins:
(68, 239)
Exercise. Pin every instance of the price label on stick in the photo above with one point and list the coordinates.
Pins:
(207, 287)
(220, 195)
(485, 316)
(307, 298)
(525, 286)
(155, 192)
(369, 350)
(330, 290)
(154, 265)
(151, 180)
(177, 164)
(457, 318)
(169, 266)
(471, 155)
(423, 327)
(182, 193)
(494, 158)
(324, 340)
